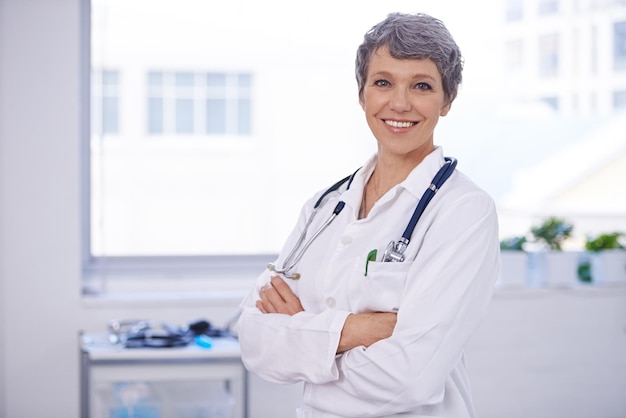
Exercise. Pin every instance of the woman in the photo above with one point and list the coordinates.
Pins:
(372, 338)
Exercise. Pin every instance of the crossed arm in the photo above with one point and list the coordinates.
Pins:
(362, 329)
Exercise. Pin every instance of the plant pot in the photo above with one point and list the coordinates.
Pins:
(555, 268)
(514, 269)
(608, 267)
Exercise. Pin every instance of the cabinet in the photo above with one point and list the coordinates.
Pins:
(181, 382)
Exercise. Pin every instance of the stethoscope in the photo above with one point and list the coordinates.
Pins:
(394, 251)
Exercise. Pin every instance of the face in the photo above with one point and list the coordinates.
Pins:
(403, 100)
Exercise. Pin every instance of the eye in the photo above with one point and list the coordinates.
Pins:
(423, 86)
(381, 83)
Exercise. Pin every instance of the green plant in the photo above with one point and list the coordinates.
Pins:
(515, 243)
(553, 231)
(584, 271)
(610, 241)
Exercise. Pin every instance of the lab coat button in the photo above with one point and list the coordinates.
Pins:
(346, 240)
(330, 302)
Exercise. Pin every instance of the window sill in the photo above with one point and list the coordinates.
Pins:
(145, 290)
(164, 299)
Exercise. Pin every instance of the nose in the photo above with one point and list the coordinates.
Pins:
(399, 100)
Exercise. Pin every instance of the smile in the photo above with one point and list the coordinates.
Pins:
(397, 124)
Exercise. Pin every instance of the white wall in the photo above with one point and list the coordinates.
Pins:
(39, 214)
(2, 313)
(41, 310)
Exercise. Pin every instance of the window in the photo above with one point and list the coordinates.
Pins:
(207, 137)
(553, 102)
(199, 103)
(549, 55)
(547, 7)
(105, 102)
(619, 100)
(514, 10)
(619, 45)
(218, 150)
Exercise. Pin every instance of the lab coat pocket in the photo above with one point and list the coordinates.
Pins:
(381, 290)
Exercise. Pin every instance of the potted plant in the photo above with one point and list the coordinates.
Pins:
(552, 232)
(552, 266)
(607, 257)
(514, 262)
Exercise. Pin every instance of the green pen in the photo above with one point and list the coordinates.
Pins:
(371, 256)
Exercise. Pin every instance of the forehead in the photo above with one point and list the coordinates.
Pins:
(382, 61)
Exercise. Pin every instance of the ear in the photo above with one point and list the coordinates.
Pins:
(444, 110)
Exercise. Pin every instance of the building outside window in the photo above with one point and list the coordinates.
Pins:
(219, 140)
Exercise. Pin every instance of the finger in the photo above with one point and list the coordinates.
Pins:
(260, 306)
(292, 303)
(267, 306)
(272, 300)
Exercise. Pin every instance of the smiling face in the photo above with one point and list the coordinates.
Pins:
(403, 100)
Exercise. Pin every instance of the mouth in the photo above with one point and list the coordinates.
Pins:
(399, 124)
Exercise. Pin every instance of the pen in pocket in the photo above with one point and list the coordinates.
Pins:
(371, 256)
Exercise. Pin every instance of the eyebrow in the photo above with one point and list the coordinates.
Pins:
(414, 76)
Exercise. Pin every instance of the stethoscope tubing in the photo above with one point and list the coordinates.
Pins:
(442, 175)
(296, 254)
(340, 205)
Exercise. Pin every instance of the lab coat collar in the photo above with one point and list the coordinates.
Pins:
(416, 182)
(422, 175)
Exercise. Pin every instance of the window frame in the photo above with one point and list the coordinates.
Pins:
(171, 268)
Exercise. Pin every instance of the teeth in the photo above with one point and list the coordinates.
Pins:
(397, 124)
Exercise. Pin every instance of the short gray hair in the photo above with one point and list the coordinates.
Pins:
(413, 36)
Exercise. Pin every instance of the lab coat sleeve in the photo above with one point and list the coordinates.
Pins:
(287, 349)
(446, 295)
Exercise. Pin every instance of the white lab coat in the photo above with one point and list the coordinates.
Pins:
(440, 293)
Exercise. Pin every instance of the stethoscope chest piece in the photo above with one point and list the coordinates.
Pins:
(395, 251)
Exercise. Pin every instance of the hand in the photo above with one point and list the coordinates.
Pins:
(277, 297)
(365, 329)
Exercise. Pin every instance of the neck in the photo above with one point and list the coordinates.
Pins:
(392, 169)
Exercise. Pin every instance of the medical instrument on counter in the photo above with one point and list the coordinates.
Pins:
(294, 256)
(395, 250)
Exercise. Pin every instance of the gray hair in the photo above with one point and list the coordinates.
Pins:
(413, 36)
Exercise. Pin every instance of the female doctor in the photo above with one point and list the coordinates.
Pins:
(372, 321)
